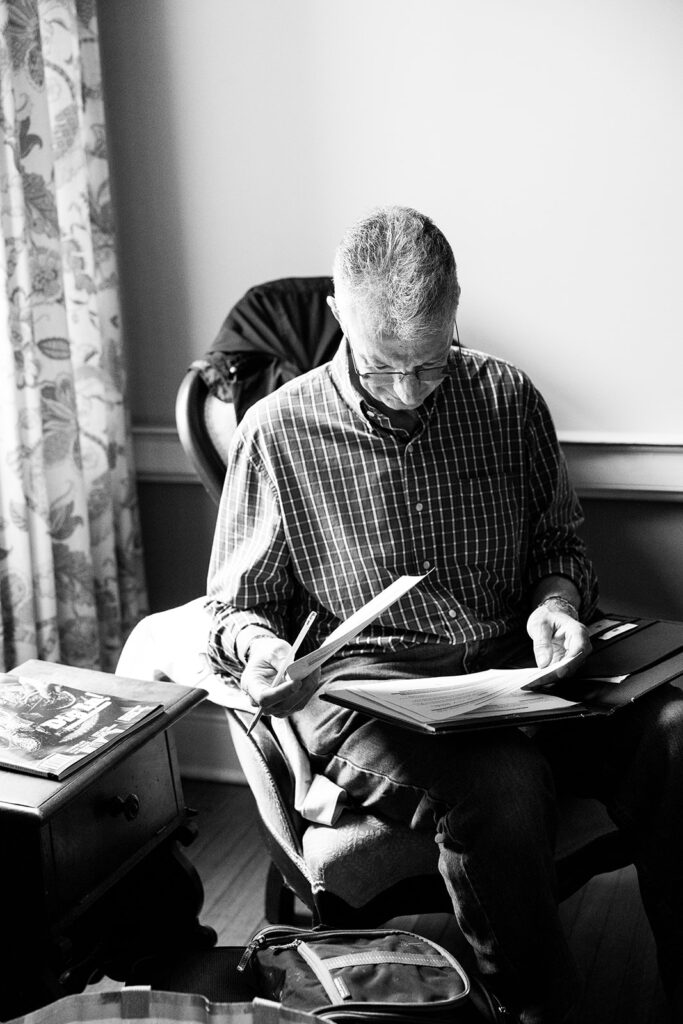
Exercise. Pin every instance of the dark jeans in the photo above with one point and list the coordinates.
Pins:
(490, 798)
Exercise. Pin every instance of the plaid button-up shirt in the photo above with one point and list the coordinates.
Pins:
(325, 504)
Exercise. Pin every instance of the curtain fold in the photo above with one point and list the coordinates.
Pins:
(71, 577)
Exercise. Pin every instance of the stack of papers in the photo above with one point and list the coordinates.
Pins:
(433, 701)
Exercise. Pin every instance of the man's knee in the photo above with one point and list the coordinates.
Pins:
(510, 801)
(657, 723)
(669, 726)
(510, 770)
(658, 765)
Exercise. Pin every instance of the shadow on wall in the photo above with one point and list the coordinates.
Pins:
(177, 522)
(637, 548)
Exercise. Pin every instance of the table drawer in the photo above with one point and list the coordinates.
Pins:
(114, 819)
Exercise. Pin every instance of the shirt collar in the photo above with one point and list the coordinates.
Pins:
(341, 375)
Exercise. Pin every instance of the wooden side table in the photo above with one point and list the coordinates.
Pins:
(93, 878)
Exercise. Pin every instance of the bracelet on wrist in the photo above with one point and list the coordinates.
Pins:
(561, 604)
(252, 641)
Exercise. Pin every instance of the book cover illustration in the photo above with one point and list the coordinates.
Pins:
(52, 729)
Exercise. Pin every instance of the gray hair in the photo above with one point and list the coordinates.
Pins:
(397, 267)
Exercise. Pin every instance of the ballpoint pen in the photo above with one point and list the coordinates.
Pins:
(292, 654)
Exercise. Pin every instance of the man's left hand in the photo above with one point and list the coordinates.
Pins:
(556, 635)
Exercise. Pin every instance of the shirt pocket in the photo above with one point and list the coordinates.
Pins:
(483, 534)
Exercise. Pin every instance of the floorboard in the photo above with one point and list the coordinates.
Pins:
(605, 925)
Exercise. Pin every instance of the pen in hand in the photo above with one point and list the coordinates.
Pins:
(288, 661)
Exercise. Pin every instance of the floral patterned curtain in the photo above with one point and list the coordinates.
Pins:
(71, 579)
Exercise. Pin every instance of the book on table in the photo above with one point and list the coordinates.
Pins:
(631, 656)
(52, 729)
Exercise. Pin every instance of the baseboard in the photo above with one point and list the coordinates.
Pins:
(600, 466)
(204, 746)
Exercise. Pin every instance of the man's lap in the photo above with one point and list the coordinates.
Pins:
(324, 727)
(407, 776)
(410, 776)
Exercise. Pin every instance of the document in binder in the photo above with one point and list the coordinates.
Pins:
(631, 656)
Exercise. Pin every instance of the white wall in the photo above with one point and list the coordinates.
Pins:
(545, 137)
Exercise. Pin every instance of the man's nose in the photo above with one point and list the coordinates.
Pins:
(408, 387)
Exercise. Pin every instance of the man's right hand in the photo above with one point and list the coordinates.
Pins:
(266, 657)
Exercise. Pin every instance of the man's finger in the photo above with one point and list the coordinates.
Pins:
(542, 638)
(578, 641)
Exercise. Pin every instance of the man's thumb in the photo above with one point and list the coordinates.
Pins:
(543, 652)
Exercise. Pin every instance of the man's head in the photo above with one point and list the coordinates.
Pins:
(396, 295)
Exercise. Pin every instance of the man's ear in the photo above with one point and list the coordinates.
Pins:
(335, 312)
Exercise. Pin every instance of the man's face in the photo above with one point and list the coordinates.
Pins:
(377, 358)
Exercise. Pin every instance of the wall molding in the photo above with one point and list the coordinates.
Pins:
(601, 467)
(652, 472)
(159, 456)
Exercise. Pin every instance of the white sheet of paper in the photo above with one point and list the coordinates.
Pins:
(354, 625)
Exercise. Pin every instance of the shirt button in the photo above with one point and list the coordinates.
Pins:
(419, 506)
(426, 564)
(452, 614)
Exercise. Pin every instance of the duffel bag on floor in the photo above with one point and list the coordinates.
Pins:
(371, 974)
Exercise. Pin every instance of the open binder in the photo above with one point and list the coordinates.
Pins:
(631, 656)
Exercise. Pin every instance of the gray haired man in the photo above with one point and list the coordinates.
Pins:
(408, 453)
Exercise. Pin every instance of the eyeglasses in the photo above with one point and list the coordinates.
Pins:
(430, 374)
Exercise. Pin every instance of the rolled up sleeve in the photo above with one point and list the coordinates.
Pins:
(555, 547)
(249, 580)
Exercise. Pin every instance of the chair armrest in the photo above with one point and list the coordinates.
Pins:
(194, 434)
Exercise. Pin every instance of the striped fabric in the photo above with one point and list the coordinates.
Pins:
(325, 504)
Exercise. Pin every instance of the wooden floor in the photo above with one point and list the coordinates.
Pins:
(605, 924)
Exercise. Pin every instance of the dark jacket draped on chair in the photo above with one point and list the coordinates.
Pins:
(277, 331)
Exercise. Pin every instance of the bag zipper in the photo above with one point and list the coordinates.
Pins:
(263, 938)
(269, 936)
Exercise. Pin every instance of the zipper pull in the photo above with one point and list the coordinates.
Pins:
(256, 943)
(268, 937)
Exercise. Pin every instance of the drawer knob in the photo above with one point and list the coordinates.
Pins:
(128, 806)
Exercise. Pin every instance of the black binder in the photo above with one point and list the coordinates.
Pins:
(649, 654)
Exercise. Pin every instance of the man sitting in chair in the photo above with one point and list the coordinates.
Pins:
(408, 453)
